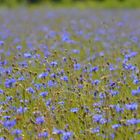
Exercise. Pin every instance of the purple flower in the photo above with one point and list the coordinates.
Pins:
(21, 110)
(74, 110)
(77, 66)
(64, 78)
(114, 93)
(1, 43)
(1, 91)
(94, 69)
(40, 120)
(131, 106)
(53, 63)
(132, 121)
(16, 131)
(67, 135)
(95, 130)
(10, 82)
(27, 55)
(44, 94)
(43, 134)
(97, 117)
(115, 126)
(135, 92)
(43, 75)
(57, 131)
(51, 83)
(30, 90)
(9, 123)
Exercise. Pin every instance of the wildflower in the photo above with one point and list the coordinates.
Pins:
(114, 93)
(21, 110)
(48, 103)
(53, 63)
(115, 126)
(64, 78)
(16, 131)
(97, 117)
(131, 106)
(135, 92)
(27, 55)
(10, 82)
(57, 131)
(94, 69)
(51, 83)
(43, 75)
(77, 66)
(132, 121)
(43, 134)
(30, 90)
(74, 110)
(9, 123)
(1, 43)
(40, 120)
(95, 130)
(44, 94)
(67, 135)
(1, 91)
(95, 82)
(19, 47)
(21, 78)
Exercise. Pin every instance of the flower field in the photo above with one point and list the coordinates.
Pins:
(69, 74)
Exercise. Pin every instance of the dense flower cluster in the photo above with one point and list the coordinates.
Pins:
(69, 74)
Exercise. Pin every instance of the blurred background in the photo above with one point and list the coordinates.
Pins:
(79, 3)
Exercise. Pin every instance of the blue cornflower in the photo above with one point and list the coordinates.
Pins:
(57, 131)
(131, 106)
(95, 82)
(27, 55)
(19, 47)
(135, 92)
(61, 103)
(10, 82)
(21, 110)
(2, 138)
(95, 130)
(118, 108)
(97, 117)
(67, 135)
(51, 83)
(43, 134)
(53, 63)
(1, 91)
(6, 117)
(30, 90)
(75, 51)
(1, 43)
(94, 69)
(102, 95)
(16, 131)
(115, 126)
(40, 120)
(9, 123)
(132, 121)
(74, 110)
(44, 94)
(43, 75)
(65, 78)
(21, 78)
(38, 86)
(114, 92)
(48, 102)
(77, 66)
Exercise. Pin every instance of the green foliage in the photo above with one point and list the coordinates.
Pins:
(84, 3)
